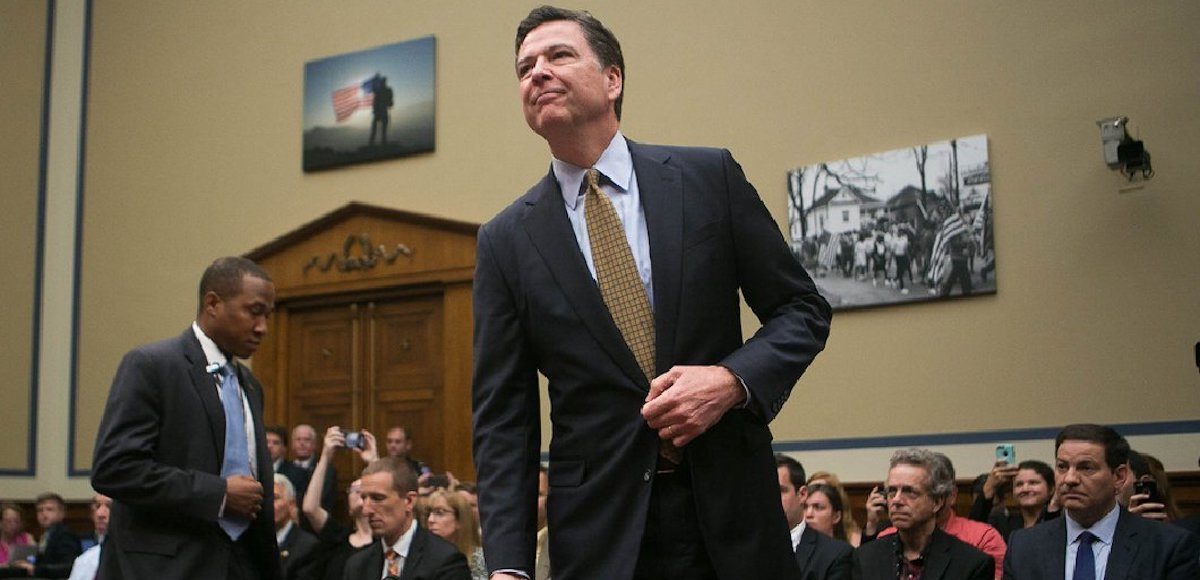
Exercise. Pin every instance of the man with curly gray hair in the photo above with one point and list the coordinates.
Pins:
(919, 484)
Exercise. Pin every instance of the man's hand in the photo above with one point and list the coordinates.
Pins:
(243, 496)
(370, 451)
(1148, 510)
(876, 510)
(686, 400)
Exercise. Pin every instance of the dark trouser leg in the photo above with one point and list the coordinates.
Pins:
(672, 548)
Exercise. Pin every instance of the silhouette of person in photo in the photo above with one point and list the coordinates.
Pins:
(379, 108)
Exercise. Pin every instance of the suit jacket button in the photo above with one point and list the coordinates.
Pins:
(646, 475)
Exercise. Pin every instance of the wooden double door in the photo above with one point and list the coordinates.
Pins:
(369, 363)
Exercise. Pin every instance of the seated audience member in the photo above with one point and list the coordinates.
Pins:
(1163, 506)
(1098, 538)
(853, 534)
(405, 550)
(919, 486)
(297, 548)
(58, 547)
(975, 534)
(990, 490)
(451, 519)
(1033, 488)
(86, 565)
(818, 555)
(399, 445)
(823, 511)
(277, 446)
(337, 540)
(12, 530)
(304, 442)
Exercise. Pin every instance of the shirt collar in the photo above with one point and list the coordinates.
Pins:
(1104, 530)
(616, 164)
(282, 533)
(211, 351)
(797, 532)
(404, 543)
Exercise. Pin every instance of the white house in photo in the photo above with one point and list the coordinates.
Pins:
(842, 210)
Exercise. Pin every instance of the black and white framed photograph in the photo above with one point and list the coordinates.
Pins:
(906, 225)
(369, 105)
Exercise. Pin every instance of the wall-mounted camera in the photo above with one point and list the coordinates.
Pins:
(1122, 152)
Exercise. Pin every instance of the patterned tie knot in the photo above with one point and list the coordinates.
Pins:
(593, 178)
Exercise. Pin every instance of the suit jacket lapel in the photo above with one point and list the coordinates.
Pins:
(1123, 550)
(939, 557)
(806, 548)
(661, 189)
(550, 231)
(415, 550)
(1056, 562)
(206, 389)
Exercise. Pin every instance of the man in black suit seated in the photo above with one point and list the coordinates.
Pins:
(296, 547)
(304, 445)
(1098, 538)
(58, 547)
(406, 551)
(918, 485)
(277, 445)
(820, 557)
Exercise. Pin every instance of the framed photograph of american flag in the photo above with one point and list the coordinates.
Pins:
(907, 225)
(369, 105)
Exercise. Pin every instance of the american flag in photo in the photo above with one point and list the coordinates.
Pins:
(349, 99)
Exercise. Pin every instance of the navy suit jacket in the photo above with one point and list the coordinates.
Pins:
(429, 558)
(821, 557)
(1141, 548)
(537, 309)
(158, 455)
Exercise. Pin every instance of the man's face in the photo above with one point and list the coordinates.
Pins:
(398, 444)
(562, 84)
(275, 446)
(101, 504)
(303, 440)
(239, 323)
(909, 504)
(283, 507)
(49, 512)
(793, 499)
(388, 512)
(1088, 486)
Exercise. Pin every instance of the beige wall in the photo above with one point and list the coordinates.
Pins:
(22, 60)
(194, 151)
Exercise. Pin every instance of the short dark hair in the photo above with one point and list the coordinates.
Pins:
(224, 277)
(1041, 468)
(279, 430)
(794, 468)
(50, 496)
(404, 479)
(601, 40)
(1116, 448)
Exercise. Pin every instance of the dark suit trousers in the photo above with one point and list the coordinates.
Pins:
(672, 547)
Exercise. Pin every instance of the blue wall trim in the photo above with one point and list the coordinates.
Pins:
(971, 437)
(35, 352)
(77, 292)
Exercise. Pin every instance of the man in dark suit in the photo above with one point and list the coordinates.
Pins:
(277, 444)
(403, 549)
(57, 548)
(181, 447)
(819, 557)
(1098, 539)
(625, 295)
(918, 486)
(297, 548)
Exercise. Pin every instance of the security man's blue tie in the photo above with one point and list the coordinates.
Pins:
(237, 456)
(1085, 560)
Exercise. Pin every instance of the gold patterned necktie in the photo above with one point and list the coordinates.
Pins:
(393, 563)
(620, 286)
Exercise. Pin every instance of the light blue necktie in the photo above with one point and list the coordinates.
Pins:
(237, 457)
(1085, 560)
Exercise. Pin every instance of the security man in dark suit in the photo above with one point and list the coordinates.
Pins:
(618, 276)
(1098, 538)
(819, 557)
(182, 450)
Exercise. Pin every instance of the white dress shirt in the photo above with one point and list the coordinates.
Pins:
(401, 547)
(797, 532)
